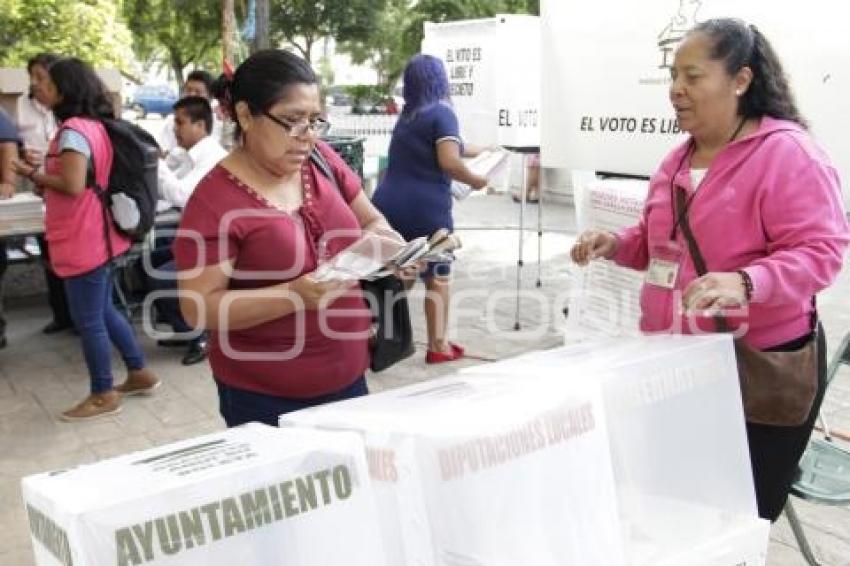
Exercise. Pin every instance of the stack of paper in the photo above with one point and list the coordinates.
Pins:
(486, 164)
(22, 213)
(21, 205)
(376, 255)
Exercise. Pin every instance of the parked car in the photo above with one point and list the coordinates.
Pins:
(153, 99)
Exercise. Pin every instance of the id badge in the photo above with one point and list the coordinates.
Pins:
(663, 268)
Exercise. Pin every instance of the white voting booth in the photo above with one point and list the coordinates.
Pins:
(493, 66)
(618, 452)
(487, 60)
(605, 89)
(250, 496)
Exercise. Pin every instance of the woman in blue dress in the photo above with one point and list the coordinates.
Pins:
(415, 195)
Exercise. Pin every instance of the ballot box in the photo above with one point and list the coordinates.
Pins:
(486, 471)
(252, 495)
(677, 437)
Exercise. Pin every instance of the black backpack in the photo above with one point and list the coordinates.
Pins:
(131, 193)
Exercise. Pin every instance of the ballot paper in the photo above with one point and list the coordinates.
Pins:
(487, 164)
(606, 297)
(376, 255)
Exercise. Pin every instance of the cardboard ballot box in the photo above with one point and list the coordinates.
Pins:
(677, 437)
(253, 495)
(470, 471)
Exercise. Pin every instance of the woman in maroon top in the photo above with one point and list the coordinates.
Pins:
(252, 233)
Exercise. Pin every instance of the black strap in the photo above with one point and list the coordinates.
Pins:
(103, 197)
(322, 165)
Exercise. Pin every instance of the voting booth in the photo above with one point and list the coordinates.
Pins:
(485, 471)
(605, 89)
(252, 495)
(493, 65)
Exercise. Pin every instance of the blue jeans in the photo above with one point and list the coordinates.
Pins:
(99, 322)
(239, 406)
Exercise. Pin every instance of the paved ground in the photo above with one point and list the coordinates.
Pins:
(41, 376)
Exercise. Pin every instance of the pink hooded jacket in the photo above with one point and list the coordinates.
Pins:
(770, 204)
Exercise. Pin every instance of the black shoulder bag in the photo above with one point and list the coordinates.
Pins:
(392, 334)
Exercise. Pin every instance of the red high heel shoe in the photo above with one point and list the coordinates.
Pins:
(432, 357)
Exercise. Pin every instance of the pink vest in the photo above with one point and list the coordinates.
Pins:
(74, 223)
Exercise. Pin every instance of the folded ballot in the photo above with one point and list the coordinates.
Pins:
(485, 472)
(252, 495)
(377, 254)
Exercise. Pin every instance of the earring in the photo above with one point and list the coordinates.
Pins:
(738, 92)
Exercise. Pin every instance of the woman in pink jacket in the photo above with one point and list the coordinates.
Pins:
(764, 205)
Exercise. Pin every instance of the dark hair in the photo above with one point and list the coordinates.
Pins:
(197, 108)
(201, 76)
(219, 87)
(425, 83)
(262, 80)
(739, 45)
(82, 92)
(42, 60)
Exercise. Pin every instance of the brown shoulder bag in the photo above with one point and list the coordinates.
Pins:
(777, 388)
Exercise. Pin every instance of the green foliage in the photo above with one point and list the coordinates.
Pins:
(363, 95)
(397, 32)
(88, 29)
(176, 32)
(303, 22)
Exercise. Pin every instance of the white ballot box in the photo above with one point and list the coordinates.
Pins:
(470, 471)
(677, 437)
(252, 495)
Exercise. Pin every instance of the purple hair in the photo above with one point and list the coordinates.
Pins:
(425, 83)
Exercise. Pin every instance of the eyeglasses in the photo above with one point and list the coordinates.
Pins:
(315, 127)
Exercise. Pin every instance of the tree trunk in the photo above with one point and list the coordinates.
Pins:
(228, 28)
(177, 65)
(308, 44)
(261, 38)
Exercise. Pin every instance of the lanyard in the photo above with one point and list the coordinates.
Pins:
(679, 216)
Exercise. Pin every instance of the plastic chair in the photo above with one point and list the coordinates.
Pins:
(823, 475)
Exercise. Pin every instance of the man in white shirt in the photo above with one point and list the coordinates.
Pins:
(192, 130)
(198, 83)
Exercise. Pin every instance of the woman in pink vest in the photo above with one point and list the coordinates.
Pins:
(74, 229)
(763, 202)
